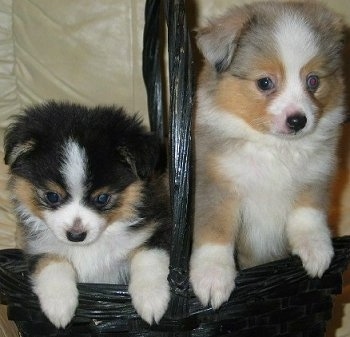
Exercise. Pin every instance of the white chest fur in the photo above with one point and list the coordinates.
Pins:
(104, 261)
(267, 180)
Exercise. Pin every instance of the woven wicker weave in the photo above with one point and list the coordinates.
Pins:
(276, 299)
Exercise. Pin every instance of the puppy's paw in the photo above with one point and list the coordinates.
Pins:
(309, 238)
(55, 286)
(148, 287)
(315, 255)
(212, 274)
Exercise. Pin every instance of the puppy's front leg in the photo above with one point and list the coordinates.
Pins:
(148, 286)
(54, 282)
(308, 232)
(212, 265)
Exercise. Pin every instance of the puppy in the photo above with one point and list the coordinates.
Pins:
(269, 106)
(92, 204)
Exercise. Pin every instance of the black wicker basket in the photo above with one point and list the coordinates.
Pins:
(276, 299)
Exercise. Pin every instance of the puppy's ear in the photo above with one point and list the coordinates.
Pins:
(218, 40)
(12, 153)
(17, 142)
(144, 154)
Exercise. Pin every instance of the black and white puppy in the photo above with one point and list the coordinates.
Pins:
(92, 204)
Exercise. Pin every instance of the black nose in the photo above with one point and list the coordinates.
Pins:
(76, 236)
(296, 122)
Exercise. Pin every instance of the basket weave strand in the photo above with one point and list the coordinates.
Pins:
(152, 66)
(180, 121)
(181, 94)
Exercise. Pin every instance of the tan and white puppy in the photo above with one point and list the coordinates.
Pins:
(269, 106)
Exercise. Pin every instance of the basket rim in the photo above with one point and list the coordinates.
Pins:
(260, 280)
(264, 295)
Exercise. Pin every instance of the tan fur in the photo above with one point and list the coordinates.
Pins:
(216, 226)
(53, 187)
(215, 206)
(128, 200)
(315, 197)
(241, 97)
(327, 95)
(24, 192)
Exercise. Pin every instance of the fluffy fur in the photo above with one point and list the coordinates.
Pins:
(92, 204)
(269, 106)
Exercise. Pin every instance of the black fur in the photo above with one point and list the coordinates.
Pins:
(101, 130)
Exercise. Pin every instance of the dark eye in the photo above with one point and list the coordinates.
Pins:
(102, 199)
(312, 82)
(265, 84)
(53, 198)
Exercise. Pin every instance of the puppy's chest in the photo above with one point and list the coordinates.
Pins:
(250, 168)
(257, 170)
(100, 266)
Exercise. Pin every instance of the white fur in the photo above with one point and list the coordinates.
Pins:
(74, 168)
(212, 273)
(268, 172)
(295, 41)
(55, 286)
(148, 287)
(295, 49)
(105, 260)
(107, 257)
(309, 237)
(61, 220)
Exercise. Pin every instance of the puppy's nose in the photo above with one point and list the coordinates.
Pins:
(296, 122)
(76, 236)
(77, 232)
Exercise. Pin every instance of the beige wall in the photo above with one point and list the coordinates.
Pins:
(209, 8)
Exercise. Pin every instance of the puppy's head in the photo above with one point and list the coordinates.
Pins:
(275, 65)
(77, 170)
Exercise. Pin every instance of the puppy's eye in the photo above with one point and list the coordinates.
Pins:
(53, 198)
(312, 82)
(265, 84)
(102, 199)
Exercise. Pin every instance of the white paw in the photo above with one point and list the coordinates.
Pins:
(316, 256)
(148, 287)
(56, 289)
(212, 274)
(309, 238)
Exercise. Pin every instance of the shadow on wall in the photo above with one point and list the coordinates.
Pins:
(340, 213)
(342, 181)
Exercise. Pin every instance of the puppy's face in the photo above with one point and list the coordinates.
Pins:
(277, 66)
(74, 199)
(78, 182)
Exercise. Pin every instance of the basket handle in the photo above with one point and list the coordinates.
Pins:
(181, 89)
